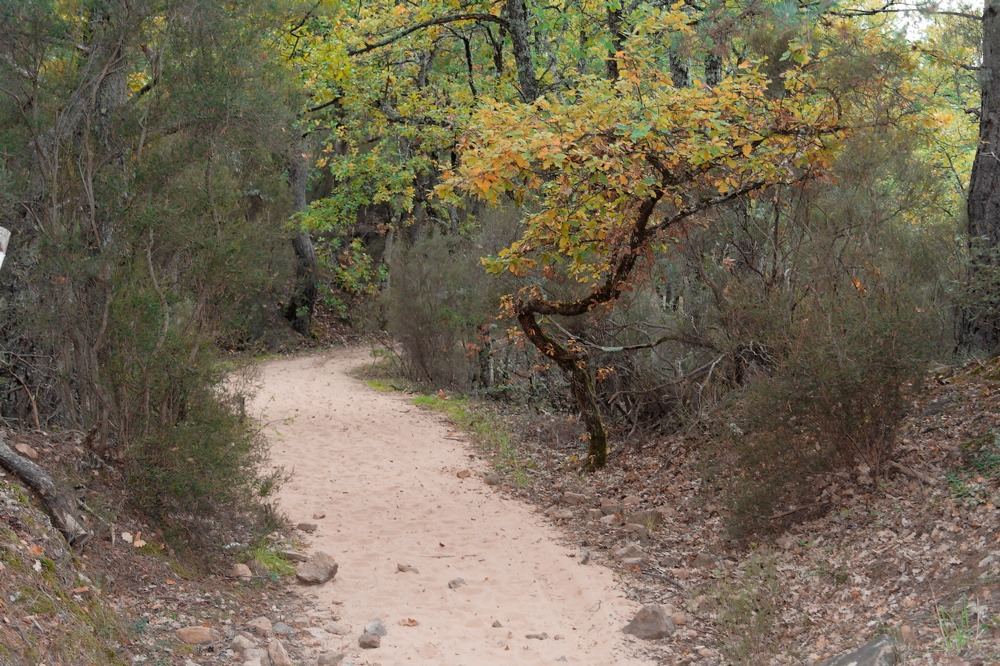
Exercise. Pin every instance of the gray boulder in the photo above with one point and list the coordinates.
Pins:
(880, 651)
(650, 623)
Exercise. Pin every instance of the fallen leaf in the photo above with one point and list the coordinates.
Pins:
(408, 622)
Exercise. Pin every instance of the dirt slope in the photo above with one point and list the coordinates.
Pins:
(385, 477)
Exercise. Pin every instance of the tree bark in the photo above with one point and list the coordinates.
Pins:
(58, 504)
(302, 303)
(576, 365)
(979, 327)
(516, 14)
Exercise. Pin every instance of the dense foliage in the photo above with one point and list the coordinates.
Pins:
(746, 216)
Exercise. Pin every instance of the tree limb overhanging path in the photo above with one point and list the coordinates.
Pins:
(385, 474)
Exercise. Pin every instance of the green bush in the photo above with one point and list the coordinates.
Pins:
(439, 306)
(843, 370)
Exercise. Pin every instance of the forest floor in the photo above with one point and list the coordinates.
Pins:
(456, 571)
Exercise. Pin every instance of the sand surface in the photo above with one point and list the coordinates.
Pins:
(384, 473)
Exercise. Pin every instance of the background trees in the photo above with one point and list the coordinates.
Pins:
(144, 149)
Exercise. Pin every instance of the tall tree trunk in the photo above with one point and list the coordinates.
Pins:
(516, 14)
(979, 327)
(617, 42)
(302, 302)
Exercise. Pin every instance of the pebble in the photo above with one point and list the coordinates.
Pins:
(496, 624)
(307, 527)
(406, 568)
(277, 654)
(456, 583)
(631, 550)
(338, 629)
(376, 627)
(283, 629)
(196, 635)
(538, 637)
(318, 569)
(369, 641)
(650, 623)
(330, 659)
(241, 571)
(241, 644)
(261, 626)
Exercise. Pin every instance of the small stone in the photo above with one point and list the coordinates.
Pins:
(240, 644)
(704, 561)
(261, 626)
(241, 571)
(318, 569)
(463, 474)
(575, 499)
(197, 635)
(375, 627)
(631, 502)
(609, 507)
(538, 637)
(909, 602)
(492, 479)
(558, 637)
(330, 659)
(634, 561)
(256, 657)
(369, 641)
(319, 516)
(610, 519)
(650, 623)
(456, 583)
(277, 654)
(338, 629)
(628, 551)
(638, 531)
(562, 514)
(594, 514)
(26, 451)
(585, 556)
(406, 568)
(307, 527)
(648, 519)
(907, 634)
(283, 629)
(680, 619)
(496, 624)
(293, 555)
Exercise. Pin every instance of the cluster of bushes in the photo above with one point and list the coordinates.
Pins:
(144, 180)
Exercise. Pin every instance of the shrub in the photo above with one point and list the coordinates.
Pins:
(439, 307)
(834, 399)
(200, 475)
(747, 609)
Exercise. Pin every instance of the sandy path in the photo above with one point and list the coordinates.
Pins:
(384, 473)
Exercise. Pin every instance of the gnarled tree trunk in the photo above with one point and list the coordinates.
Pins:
(59, 505)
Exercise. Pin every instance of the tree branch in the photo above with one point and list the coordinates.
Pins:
(478, 17)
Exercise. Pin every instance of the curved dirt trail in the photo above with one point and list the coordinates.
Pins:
(384, 474)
